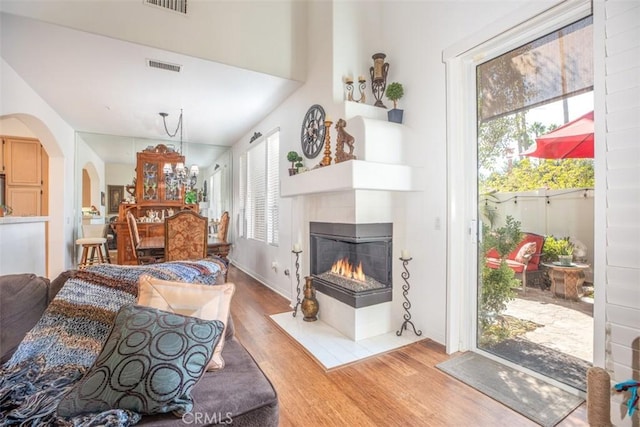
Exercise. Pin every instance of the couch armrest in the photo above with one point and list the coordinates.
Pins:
(23, 299)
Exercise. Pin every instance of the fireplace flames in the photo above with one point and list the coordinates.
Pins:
(344, 268)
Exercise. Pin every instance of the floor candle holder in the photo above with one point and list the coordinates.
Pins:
(406, 304)
(298, 300)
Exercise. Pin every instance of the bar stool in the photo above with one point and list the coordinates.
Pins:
(92, 240)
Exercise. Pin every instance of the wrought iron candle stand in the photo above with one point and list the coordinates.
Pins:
(298, 300)
(406, 304)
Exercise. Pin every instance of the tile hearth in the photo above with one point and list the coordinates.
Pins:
(332, 349)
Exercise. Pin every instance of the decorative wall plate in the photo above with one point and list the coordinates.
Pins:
(312, 133)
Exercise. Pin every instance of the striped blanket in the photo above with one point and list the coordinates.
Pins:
(65, 342)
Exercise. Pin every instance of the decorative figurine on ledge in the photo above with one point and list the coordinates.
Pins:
(342, 139)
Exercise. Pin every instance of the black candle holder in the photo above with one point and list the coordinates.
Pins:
(406, 304)
(298, 300)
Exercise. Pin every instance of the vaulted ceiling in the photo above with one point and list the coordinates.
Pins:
(101, 84)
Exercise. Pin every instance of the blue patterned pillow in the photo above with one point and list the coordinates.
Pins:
(149, 364)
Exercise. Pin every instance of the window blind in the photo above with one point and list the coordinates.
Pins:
(273, 186)
(556, 66)
(256, 194)
(242, 217)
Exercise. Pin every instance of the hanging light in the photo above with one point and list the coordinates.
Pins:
(177, 175)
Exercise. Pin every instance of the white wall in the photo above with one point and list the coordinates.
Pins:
(261, 30)
(57, 137)
(412, 35)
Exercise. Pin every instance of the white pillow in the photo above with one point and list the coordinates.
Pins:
(208, 302)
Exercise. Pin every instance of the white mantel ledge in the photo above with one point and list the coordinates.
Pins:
(353, 175)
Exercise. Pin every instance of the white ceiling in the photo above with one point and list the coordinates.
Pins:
(103, 86)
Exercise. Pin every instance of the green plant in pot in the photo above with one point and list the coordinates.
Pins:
(565, 252)
(497, 283)
(299, 165)
(557, 250)
(191, 197)
(394, 92)
(293, 157)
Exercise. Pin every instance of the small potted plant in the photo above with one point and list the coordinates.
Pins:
(299, 165)
(5, 210)
(293, 156)
(394, 92)
(565, 252)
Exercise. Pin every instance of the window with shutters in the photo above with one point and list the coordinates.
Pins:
(261, 189)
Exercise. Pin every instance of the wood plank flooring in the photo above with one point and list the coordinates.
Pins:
(400, 388)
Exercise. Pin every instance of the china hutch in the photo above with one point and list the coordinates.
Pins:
(156, 196)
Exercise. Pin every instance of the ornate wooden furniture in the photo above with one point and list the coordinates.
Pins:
(185, 236)
(156, 199)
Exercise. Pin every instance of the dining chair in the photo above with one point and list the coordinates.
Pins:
(134, 235)
(223, 227)
(185, 236)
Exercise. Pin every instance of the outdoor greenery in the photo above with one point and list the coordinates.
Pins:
(532, 174)
(554, 247)
(497, 284)
(502, 170)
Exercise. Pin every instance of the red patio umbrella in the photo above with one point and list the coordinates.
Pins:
(574, 140)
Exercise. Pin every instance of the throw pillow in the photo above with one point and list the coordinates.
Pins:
(188, 299)
(525, 252)
(149, 364)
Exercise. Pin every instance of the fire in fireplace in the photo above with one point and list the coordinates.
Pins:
(352, 262)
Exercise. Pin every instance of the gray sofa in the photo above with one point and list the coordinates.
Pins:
(239, 394)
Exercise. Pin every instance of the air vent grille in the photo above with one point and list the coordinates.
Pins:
(174, 5)
(164, 65)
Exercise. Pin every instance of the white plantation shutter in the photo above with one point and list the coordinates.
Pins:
(259, 171)
(256, 191)
(242, 213)
(273, 186)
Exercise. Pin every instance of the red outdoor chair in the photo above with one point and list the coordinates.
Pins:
(524, 259)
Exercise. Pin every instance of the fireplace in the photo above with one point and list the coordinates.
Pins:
(352, 262)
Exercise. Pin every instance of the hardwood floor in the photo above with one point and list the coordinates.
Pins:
(400, 388)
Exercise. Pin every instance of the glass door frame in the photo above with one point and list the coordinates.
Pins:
(461, 60)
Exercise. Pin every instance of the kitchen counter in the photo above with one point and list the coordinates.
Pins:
(22, 244)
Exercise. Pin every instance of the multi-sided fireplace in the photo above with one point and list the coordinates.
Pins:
(352, 262)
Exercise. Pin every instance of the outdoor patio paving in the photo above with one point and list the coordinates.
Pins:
(561, 346)
(567, 325)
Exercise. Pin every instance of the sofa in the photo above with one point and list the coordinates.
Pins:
(238, 394)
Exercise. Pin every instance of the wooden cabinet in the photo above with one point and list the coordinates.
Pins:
(152, 185)
(155, 197)
(24, 200)
(25, 163)
(3, 169)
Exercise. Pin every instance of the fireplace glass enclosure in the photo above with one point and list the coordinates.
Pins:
(352, 262)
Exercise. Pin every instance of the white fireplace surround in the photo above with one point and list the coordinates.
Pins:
(355, 192)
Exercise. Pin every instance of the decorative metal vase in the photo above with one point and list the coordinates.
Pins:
(309, 305)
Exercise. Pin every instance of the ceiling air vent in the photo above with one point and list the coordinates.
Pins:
(164, 65)
(174, 5)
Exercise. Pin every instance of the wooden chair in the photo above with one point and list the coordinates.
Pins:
(223, 227)
(139, 256)
(185, 236)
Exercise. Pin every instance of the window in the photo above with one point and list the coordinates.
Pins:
(259, 191)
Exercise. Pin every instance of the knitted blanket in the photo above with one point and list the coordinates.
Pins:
(65, 342)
